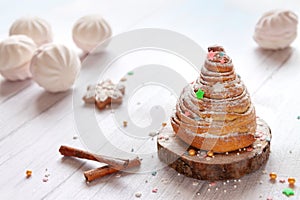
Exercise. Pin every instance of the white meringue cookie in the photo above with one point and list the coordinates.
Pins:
(89, 31)
(276, 29)
(34, 27)
(55, 67)
(15, 56)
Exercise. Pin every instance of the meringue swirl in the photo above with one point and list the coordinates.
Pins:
(38, 29)
(276, 29)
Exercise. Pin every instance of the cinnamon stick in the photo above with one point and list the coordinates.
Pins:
(114, 162)
(93, 174)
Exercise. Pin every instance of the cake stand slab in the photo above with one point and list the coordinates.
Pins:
(232, 165)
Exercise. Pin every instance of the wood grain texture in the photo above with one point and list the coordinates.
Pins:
(33, 123)
(233, 165)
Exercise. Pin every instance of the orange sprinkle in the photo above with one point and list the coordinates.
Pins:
(291, 180)
(28, 173)
(273, 175)
(192, 152)
(210, 153)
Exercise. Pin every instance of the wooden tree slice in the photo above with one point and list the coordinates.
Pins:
(174, 152)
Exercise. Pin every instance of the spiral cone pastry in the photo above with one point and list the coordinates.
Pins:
(215, 112)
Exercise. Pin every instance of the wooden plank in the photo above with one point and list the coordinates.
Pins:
(40, 123)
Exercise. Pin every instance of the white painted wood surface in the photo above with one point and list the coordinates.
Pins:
(33, 123)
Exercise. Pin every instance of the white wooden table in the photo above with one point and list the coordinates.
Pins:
(33, 123)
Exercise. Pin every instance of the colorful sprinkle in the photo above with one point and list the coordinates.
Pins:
(298, 117)
(200, 94)
(273, 175)
(192, 152)
(210, 153)
(28, 173)
(125, 123)
(154, 173)
(130, 73)
(45, 179)
(211, 55)
(212, 184)
(187, 113)
(288, 192)
(197, 118)
(154, 190)
(291, 180)
(164, 124)
(281, 181)
(222, 60)
(249, 149)
(221, 54)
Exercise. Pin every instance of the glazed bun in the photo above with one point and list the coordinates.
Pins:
(215, 113)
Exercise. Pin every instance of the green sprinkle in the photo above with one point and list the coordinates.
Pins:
(288, 192)
(130, 73)
(200, 94)
(298, 117)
